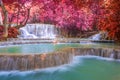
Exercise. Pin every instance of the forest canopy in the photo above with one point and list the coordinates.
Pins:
(72, 16)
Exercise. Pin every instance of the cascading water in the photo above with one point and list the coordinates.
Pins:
(99, 36)
(26, 34)
(45, 31)
(32, 62)
(96, 37)
(39, 61)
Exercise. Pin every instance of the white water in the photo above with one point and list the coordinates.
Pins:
(46, 31)
(100, 36)
(96, 37)
(77, 60)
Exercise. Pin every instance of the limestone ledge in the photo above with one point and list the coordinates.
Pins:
(32, 62)
(103, 52)
(39, 61)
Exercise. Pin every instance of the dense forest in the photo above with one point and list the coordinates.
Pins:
(73, 17)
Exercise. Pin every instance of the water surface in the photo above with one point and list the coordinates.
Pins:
(82, 68)
(49, 47)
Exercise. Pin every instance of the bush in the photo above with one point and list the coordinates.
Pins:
(12, 32)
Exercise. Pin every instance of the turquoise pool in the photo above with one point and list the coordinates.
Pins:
(82, 68)
(49, 47)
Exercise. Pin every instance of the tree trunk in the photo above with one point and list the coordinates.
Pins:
(5, 13)
(23, 23)
(1, 21)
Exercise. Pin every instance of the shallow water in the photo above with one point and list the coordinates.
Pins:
(82, 68)
(28, 48)
(49, 47)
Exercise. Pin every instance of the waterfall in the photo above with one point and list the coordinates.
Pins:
(45, 31)
(26, 34)
(102, 52)
(39, 61)
(32, 62)
(96, 37)
(100, 36)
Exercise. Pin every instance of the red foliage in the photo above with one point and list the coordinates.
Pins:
(12, 32)
(9, 1)
(110, 18)
(1, 31)
(80, 15)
